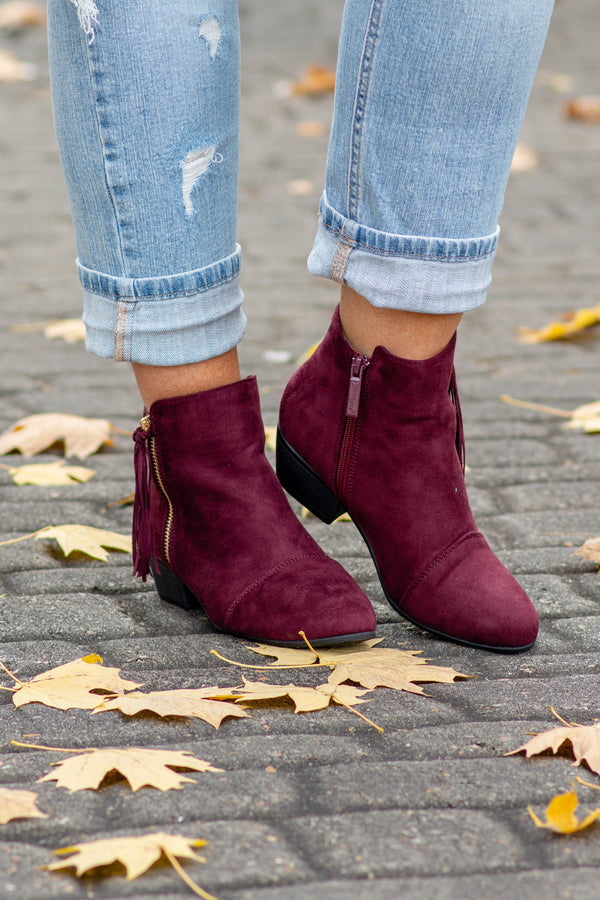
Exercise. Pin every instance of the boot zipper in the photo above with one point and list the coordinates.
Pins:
(145, 425)
(357, 370)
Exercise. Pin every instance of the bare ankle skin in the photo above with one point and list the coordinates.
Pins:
(410, 335)
(161, 382)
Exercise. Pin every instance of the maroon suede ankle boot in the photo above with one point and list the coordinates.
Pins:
(382, 439)
(213, 525)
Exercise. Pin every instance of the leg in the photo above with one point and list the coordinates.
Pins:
(146, 106)
(429, 104)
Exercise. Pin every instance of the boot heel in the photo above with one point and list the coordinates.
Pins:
(171, 588)
(304, 484)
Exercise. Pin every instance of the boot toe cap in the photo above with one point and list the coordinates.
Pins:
(467, 595)
(313, 595)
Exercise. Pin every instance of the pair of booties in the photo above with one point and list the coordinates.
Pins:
(380, 438)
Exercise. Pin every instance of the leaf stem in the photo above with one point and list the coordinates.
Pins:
(232, 662)
(24, 538)
(185, 877)
(564, 721)
(14, 677)
(536, 407)
(359, 714)
(59, 749)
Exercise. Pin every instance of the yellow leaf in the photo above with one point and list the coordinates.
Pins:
(50, 474)
(271, 437)
(584, 109)
(560, 815)
(208, 704)
(85, 539)
(585, 418)
(70, 686)
(69, 330)
(137, 853)
(584, 740)
(525, 159)
(81, 436)
(18, 805)
(306, 355)
(554, 331)
(141, 767)
(287, 656)
(305, 699)
(12, 69)
(368, 665)
(21, 14)
(306, 513)
(590, 550)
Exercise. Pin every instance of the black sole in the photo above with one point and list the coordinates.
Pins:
(172, 590)
(303, 483)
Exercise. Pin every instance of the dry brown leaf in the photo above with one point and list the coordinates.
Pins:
(70, 686)
(139, 766)
(81, 436)
(137, 853)
(18, 805)
(315, 80)
(85, 539)
(209, 704)
(50, 474)
(584, 740)
(370, 666)
(584, 109)
(590, 550)
(71, 331)
(573, 322)
(12, 69)
(560, 815)
(21, 14)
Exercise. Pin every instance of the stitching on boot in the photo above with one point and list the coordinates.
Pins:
(288, 562)
(432, 565)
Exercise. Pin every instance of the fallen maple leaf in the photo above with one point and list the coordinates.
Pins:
(560, 815)
(585, 109)
(69, 330)
(12, 69)
(525, 159)
(573, 322)
(367, 665)
(21, 14)
(585, 418)
(209, 704)
(139, 766)
(81, 436)
(50, 474)
(584, 740)
(18, 805)
(137, 853)
(70, 686)
(271, 437)
(314, 80)
(590, 550)
(85, 539)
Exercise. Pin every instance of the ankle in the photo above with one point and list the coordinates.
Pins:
(407, 334)
(162, 382)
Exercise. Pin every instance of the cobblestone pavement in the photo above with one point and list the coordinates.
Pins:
(319, 805)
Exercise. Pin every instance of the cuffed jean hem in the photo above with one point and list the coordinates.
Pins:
(396, 271)
(167, 320)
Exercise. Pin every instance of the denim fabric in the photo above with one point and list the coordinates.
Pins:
(146, 104)
(429, 102)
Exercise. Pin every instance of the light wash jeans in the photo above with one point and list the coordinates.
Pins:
(430, 97)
